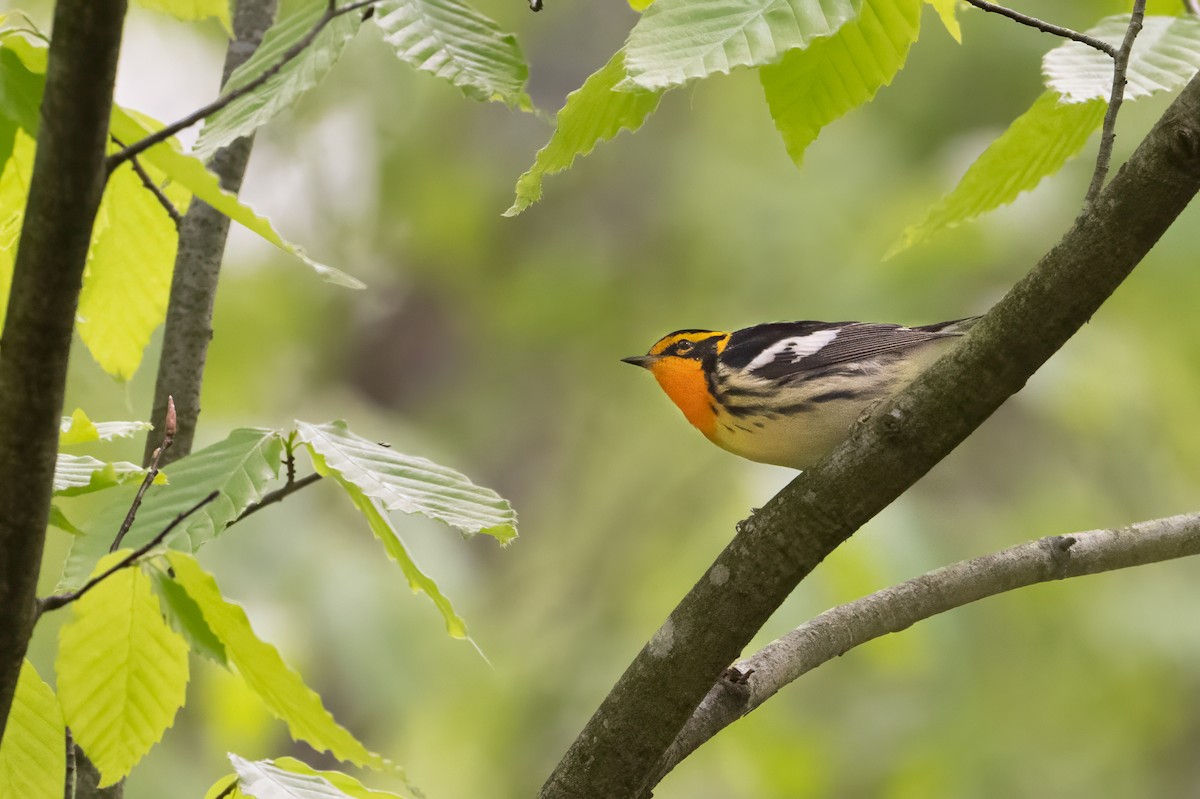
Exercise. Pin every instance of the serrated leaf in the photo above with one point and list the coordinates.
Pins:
(408, 483)
(343, 782)
(677, 41)
(83, 474)
(947, 11)
(453, 41)
(122, 672)
(32, 757)
(241, 467)
(593, 113)
(810, 88)
(1165, 56)
(79, 429)
(193, 10)
(250, 111)
(381, 526)
(262, 780)
(128, 275)
(190, 173)
(1036, 145)
(184, 616)
(259, 663)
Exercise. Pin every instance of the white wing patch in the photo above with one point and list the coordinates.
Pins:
(794, 348)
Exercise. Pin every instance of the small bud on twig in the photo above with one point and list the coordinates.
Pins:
(170, 424)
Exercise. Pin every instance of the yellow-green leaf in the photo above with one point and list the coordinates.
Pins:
(343, 782)
(223, 788)
(122, 672)
(128, 275)
(812, 87)
(259, 663)
(32, 757)
(192, 10)
(83, 474)
(947, 11)
(79, 429)
(1035, 145)
(14, 187)
(191, 173)
(593, 113)
(382, 527)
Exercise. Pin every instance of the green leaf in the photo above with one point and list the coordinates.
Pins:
(59, 519)
(247, 113)
(224, 788)
(260, 665)
(810, 88)
(410, 484)
(193, 10)
(241, 467)
(456, 43)
(262, 780)
(593, 113)
(947, 11)
(128, 275)
(14, 186)
(1165, 56)
(32, 757)
(677, 41)
(382, 527)
(122, 672)
(190, 173)
(1036, 145)
(79, 429)
(184, 616)
(20, 91)
(83, 474)
(343, 782)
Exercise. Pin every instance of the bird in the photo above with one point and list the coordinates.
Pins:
(787, 393)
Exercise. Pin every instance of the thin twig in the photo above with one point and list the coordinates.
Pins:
(291, 487)
(55, 601)
(151, 473)
(1046, 27)
(1120, 67)
(331, 13)
(69, 772)
(837, 631)
(154, 188)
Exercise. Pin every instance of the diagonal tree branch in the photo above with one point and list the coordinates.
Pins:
(838, 630)
(1120, 68)
(1046, 27)
(616, 753)
(64, 195)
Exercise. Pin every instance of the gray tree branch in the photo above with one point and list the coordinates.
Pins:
(1108, 134)
(838, 630)
(202, 235)
(616, 753)
(64, 195)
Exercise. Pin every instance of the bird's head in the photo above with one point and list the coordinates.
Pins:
(684, 363)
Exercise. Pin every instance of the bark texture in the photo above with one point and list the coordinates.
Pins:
(64, 194)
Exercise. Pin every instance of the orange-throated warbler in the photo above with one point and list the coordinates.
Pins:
(787, 393)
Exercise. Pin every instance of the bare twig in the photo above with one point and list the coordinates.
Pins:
(1046, 27)
(55, 601)
(331, 13)
(154, 188)
(69, 772)
(1120, 67)
(151, 473)
(290, 487)
(894, 609)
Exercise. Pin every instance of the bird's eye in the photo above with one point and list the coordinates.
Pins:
(684, 347)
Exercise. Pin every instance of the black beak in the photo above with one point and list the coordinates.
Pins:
(643, 361)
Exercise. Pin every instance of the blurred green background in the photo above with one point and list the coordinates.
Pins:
(493, 345)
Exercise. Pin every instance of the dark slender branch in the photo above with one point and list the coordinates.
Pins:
(1046, 27)
(289, 488)
(151, 473)
(616, 752)
(69, 773)
(331, 13)
(1109, 131)
(56, 601)
(153, 187)
(897, 608)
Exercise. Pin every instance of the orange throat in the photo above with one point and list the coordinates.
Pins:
(684, 382)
